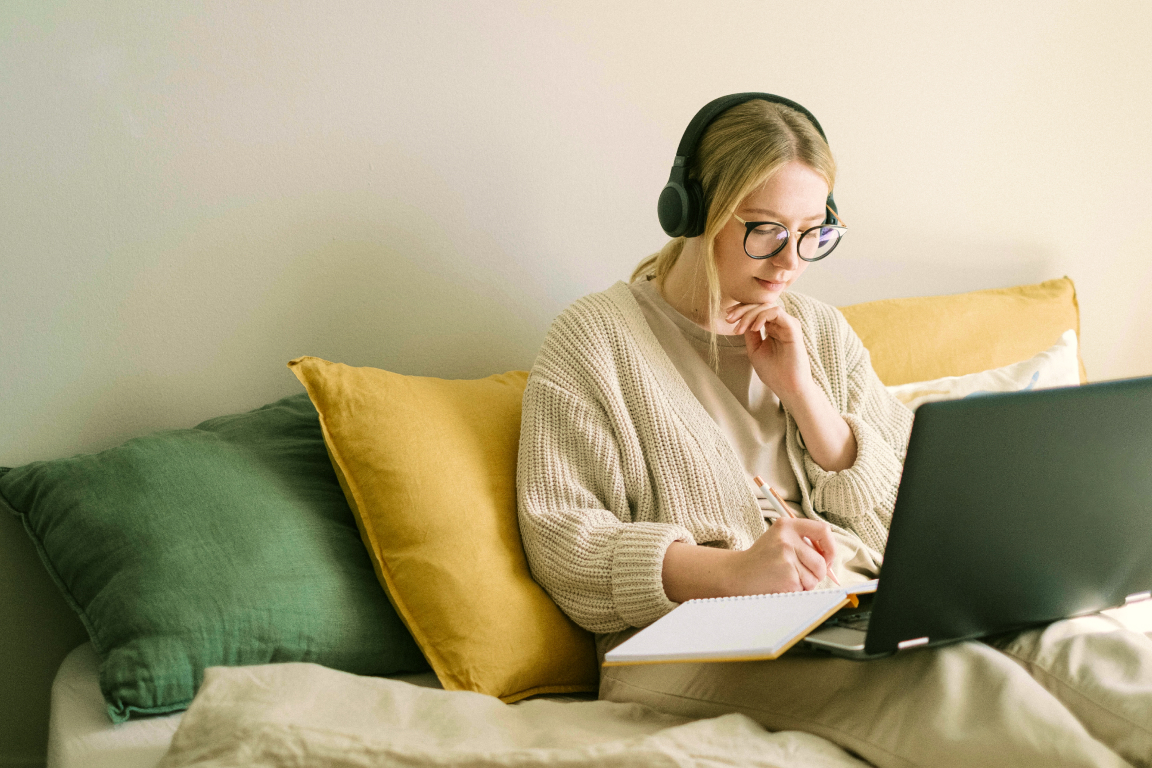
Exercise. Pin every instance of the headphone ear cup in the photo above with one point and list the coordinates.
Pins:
(696, 215)
(674, 209)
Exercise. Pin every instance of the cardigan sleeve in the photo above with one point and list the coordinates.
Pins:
(862, 497)
(602, 569)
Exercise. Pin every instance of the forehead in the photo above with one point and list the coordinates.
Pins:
(795, 191)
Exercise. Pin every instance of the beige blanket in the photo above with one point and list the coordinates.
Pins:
(307, 715)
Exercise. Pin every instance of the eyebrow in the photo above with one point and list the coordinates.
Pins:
(767, 212)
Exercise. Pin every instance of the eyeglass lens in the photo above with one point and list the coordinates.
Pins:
(769, 239)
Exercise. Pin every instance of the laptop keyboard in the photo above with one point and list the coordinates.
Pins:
(857, 620)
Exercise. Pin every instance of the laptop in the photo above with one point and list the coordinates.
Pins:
(1014, 510)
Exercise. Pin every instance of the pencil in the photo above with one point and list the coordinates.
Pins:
(782, 509)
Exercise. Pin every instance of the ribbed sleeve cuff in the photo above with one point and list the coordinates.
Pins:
(867, 485)
(637, 570)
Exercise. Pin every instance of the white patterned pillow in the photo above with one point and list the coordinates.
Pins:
(1056, 366)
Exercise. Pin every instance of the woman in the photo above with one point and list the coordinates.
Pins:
(652, 405)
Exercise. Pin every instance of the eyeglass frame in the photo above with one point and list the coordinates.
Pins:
(751, 225)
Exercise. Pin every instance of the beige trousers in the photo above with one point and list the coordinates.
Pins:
(1075, 693)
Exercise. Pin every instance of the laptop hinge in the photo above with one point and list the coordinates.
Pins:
(1136, 597)
(911, 643)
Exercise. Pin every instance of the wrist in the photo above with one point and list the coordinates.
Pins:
(802, 399)
(692, 571)
(734, 574)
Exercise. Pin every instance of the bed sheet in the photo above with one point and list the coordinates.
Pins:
(80, 734)
(371, 718)
(297, 714)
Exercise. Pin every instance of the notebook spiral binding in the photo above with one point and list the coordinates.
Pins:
(758, 597)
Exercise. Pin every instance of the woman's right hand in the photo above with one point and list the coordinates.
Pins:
(779, 561)
(782, 561)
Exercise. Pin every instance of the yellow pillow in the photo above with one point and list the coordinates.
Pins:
(429, 469)
(936, 336)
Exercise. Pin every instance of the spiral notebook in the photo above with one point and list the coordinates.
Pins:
(742, 628)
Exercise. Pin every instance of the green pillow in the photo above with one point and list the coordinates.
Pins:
(227, 544)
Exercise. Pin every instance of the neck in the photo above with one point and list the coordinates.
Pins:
(685, 288)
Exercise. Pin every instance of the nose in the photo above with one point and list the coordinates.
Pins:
(789, 257)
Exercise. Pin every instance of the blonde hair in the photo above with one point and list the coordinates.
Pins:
(739, 151)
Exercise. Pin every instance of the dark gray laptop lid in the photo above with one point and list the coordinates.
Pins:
(1018, 509)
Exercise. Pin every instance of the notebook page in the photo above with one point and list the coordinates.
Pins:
(756, 626)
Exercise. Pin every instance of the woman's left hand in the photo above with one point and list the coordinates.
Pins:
(778, 356)
(781, 361)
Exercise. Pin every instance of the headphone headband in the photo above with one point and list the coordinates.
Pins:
(716, 107)
(682, 208)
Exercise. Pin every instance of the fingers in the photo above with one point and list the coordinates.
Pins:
(819, 533)
(813, 548)
(752, 342)
(783, 327)
(782, 560)
(737, 311)
(810, 565)
(808, 580)
(758, 317)
(748, 317)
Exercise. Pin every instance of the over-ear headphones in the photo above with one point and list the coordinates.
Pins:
(682, 208)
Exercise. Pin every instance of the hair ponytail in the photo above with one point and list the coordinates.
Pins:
(658, 264)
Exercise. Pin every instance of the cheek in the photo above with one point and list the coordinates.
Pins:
(730, 256)
(735, 271)
(731, 270)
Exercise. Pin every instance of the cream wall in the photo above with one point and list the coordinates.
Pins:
(193, 193)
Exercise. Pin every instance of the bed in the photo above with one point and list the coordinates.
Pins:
(296, 714)
(571, 730)
(297, 584)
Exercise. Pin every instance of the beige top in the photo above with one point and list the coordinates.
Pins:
(748, 413)
(618, 458)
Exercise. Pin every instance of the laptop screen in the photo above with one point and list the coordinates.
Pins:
(1018, 509)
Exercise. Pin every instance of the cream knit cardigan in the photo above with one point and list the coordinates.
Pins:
(618, 459)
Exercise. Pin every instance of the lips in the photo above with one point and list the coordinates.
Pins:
(770, 284)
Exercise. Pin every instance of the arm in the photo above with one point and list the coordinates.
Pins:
(853, 475)
(781, 361)
(602, 569)
(862, 496)
(828, 438)
(779, 561)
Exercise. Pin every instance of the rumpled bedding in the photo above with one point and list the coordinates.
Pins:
(295, 715)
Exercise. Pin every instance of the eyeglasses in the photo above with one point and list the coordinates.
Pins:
(765, 239)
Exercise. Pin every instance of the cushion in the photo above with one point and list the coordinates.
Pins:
(226, 544)
(1057, 366)
(931, 337)
(429, 468)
